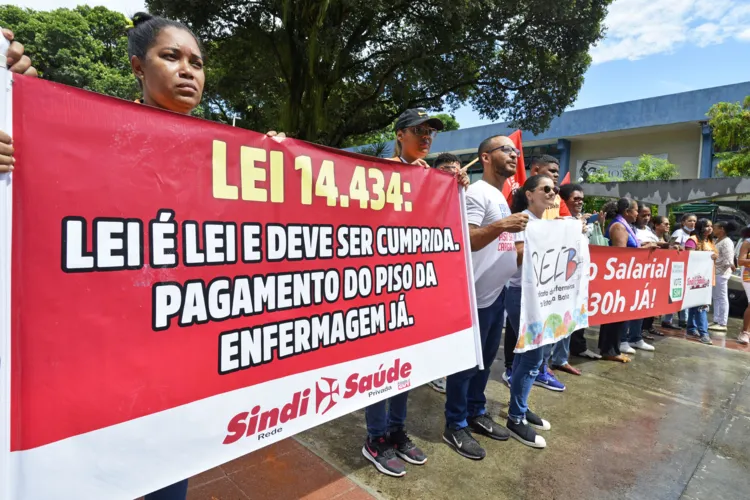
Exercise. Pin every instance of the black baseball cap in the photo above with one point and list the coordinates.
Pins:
(417, 116)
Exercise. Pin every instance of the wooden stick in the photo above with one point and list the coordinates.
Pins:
(472, 162)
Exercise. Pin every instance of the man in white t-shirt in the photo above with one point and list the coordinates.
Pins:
(494, 258)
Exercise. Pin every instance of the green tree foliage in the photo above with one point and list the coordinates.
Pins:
(730, 122)
(648, 168)
(85, 47)
(328, 70)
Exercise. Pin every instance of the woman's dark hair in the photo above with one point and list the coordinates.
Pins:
(659, 220)
(520, 203)
(726, 225)
(614, 208)
(686, 217)
(700, 228)
(145, 30)
(745, 233)
(567, 190)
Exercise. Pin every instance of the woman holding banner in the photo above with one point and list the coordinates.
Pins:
(743, 259)
(537, 195)
(698, 316)
(624, 213)
(17, 63)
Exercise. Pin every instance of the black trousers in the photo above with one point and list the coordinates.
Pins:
(577, 342)
(609, 338)
(648, 323)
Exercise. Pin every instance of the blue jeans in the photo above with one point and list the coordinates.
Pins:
(698, 320)
(681, 316)
(177, 491)
(525, 365)
(633, 332)
(464, 391)
(379, 421)
(560, 353)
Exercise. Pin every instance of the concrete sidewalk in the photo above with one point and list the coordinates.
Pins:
(674, 423)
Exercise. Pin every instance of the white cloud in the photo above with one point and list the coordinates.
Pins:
(640, 28)
(127, 7)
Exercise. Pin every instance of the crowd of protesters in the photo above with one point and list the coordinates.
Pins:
(167, 61)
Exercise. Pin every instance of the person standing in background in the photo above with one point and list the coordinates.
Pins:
(445, 162)
(724, 269)
(697, 325)
(743, 259)
(680, 237)
(549, 166)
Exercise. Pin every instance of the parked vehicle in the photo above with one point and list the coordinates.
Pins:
(715, 213)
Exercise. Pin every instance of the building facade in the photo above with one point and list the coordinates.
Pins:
(605, 137)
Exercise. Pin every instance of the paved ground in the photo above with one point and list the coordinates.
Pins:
(673, 424)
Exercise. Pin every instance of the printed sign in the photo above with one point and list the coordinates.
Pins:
(183, 293)
(555, 280)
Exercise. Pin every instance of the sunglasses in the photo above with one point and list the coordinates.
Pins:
(577, 199)
(505, 149)
(548, 189)
(423, 131)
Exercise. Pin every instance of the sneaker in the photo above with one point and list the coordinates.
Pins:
(506, 376)
(588, 353)
(524, 433)
(744, 338)
(626, 349)
(683, 324)
(654, 331)
(536, 421)
(717, 327)
(548, 381)
(484, 425)
(464, 443)
(705, 339)
(693, 333)
(641, 344)
(438, 385)
(383, 457)
(405, 448)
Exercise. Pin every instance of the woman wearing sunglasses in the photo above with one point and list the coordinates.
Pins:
(537, 195)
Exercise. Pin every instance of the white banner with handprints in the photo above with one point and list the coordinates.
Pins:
(555, 283)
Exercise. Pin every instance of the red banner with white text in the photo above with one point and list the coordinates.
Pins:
(185, 292)
(635, 283)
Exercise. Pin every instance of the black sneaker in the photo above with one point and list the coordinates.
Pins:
(524, 433)
(405, 448)
(383, 457)
(683, 324)
(536, 421)
(464, 443)
(483, 424)
(669, 326)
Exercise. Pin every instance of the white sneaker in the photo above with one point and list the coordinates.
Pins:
(641, 344)
(626, 349)
(438, 385)
(717, 328)
(744, 338)
(588, 353)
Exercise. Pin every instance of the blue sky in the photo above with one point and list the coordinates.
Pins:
(652, 47)
(658, 47)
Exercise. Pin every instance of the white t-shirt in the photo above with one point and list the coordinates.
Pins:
(495, 263)
(681, 236)
(646, 235)
(515, 280)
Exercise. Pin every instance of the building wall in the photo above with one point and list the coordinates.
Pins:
(681, 146)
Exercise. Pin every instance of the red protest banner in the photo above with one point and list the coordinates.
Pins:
(634, 283)
(184, 292)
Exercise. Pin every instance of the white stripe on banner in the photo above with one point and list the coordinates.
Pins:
(134, 458)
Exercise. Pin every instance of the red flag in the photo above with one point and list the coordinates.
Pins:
(564, 212)
(517, 180)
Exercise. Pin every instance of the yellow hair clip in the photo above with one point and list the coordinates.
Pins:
(129, 23)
